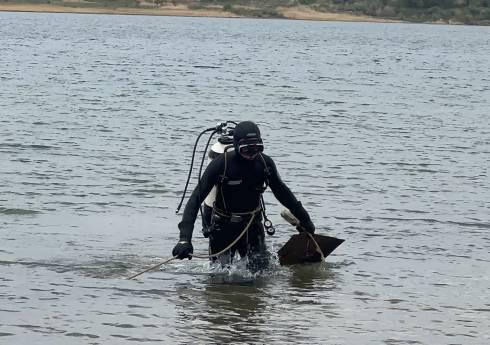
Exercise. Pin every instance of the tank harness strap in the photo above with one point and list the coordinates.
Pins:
(266, 171)
(223, 178)
(226, 214)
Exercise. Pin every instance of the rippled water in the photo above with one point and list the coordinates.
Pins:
(381, 130)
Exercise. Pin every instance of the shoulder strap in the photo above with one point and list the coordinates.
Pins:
(267, 171)
(222, 181)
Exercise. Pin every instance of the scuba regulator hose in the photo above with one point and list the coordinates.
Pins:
(200, 171)
(220, 128)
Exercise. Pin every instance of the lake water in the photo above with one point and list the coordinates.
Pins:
(382, 130)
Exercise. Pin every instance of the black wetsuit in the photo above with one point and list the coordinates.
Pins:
(239, 190)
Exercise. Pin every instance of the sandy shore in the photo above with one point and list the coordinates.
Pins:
(298, 12)
(179, 10)
(305, 13)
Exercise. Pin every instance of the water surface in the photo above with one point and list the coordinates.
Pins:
(381, 130)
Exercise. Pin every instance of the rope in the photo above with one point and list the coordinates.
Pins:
(210, 255)
(318, 249)
(152, 267)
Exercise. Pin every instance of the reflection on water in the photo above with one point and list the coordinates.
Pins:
(308, 277)
(234, 311)
(381, 130)
(224, 309)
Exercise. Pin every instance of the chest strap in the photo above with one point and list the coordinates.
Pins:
(267, 174)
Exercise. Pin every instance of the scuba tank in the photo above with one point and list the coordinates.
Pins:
(218, 148)
(224, 141)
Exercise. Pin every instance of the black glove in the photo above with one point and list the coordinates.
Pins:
(182, 250)
(308, 227)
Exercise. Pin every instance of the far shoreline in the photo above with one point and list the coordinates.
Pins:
(292, 13)
(287, 13)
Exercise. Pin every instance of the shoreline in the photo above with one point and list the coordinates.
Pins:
(290, 13)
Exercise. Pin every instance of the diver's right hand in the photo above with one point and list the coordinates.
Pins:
(182, 250)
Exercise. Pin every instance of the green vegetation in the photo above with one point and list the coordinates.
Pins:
(447, 11)
(463, 11)
(460, 11)
(81, 3)
(99, 3)
(244, 11)
(244, 8)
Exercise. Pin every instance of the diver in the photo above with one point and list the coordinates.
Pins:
(239, 176)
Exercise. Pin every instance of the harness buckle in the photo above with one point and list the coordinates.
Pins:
(236, 218)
